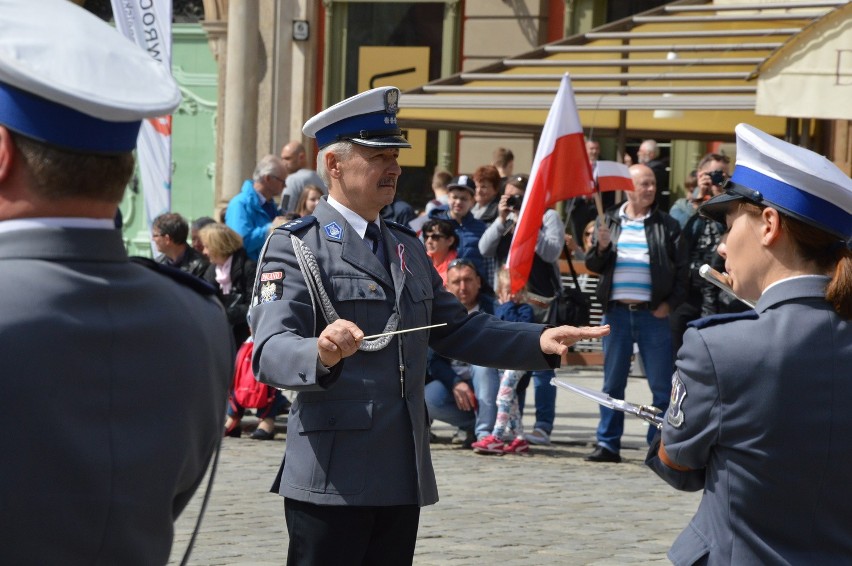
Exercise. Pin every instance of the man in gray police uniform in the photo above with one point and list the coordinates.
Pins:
(104, 438)
(760, 409)
(357, 467)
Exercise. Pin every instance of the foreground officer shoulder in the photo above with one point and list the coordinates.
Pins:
(197, 284)
(716, 319)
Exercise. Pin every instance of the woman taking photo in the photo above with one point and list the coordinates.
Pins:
(760, 409)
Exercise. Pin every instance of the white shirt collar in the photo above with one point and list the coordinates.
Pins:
(353, 218)
(57, 222)
(771, 285)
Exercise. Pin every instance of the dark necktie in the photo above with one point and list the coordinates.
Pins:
(375, 236)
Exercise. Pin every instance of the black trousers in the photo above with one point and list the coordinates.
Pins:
(337, 535)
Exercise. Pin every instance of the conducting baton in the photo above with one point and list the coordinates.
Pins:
(403, 331)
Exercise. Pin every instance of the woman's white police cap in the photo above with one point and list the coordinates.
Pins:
(367, 119)
(69, 79)
(789, 178)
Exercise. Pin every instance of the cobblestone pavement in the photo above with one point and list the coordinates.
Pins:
(548, 508)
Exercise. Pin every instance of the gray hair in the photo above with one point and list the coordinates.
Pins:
(268, 165)
(342, 150)
(651, 147)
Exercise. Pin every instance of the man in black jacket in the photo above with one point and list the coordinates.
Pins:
(640, 255)
(169, 232)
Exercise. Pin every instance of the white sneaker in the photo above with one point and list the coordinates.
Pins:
(538, 436)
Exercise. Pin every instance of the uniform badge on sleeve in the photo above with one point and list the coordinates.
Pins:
(675, 413)
(269, 292)
(272, 287)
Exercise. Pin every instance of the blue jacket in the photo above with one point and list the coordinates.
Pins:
(515, 312)
(247, 217)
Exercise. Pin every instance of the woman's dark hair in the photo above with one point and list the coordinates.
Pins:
(441, 226)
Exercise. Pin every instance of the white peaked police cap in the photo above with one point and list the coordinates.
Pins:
(69, 79)
(789, 178)
(367, 119)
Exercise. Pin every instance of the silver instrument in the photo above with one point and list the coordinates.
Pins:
(647, 413)
(720, 280)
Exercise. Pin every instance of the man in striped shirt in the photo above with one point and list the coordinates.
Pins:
(639, 252)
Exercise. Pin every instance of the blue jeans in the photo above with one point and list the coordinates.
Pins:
(486, 384)
(442, 405)
(545, 399)
(654, 338)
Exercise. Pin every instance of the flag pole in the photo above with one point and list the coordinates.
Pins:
(598, 198)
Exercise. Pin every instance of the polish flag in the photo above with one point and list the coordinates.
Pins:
(613, 176)
(560, 171)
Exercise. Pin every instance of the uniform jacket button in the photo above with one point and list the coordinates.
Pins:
(303, 376)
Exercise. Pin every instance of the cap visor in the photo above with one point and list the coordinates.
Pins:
(387, 141)
(717, 207)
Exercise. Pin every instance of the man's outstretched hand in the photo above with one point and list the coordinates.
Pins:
(557, 340)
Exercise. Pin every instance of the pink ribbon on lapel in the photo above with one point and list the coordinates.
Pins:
(400, 251)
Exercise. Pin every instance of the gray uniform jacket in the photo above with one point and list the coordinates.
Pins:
(359, 434)
(113, 389)
(760, 410)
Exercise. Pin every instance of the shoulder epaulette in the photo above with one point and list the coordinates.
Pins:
(715, 319)
(197, 284)
(298, 224)
(401, 228)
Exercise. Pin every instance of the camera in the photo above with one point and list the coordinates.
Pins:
(718, 178)
(514, 202)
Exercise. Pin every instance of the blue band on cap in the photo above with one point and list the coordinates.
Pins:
(376, 123)
(796, 201)
(59, 125)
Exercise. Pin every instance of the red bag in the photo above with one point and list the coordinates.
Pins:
(247, 391)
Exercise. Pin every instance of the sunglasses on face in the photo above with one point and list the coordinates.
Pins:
(434, 237)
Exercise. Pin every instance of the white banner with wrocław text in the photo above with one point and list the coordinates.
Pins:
(148, 23)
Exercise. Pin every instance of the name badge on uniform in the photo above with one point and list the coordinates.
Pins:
(333, 231)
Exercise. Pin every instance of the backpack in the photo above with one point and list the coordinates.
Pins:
(247, 391)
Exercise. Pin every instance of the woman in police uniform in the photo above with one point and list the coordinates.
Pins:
(759, 416)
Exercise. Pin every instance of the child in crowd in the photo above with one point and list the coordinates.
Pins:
(511, 308)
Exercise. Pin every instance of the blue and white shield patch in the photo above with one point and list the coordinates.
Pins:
(333, 231)
(675, 415)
